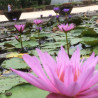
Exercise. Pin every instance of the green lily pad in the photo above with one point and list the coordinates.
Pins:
(30, 43)
(89, 32)
(93, 41)
(25, 91)
(95, 50)
(75, 40)
(7, 83)
(16, 63)
(85, 51)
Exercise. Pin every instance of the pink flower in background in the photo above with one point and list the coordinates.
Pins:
(20, 28)
(64, 78)
(38, 21)
(66, 28)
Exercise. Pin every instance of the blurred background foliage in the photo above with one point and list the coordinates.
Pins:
(18, 4)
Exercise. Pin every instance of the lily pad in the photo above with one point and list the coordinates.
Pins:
(93, 41)
(89, 32)
(31, 43)
(85, 51)
(16, 63)
(95, 50)
(25, 91)
(7, 83)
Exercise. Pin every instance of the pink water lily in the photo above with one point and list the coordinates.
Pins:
(64, 78)
(20, 28)
(66, 28)
(38, 21)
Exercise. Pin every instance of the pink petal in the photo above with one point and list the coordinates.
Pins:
(59, 84)
(34, 81)
(27, 77)
(75, 59)
(53, 95)
(93, 94)
(93, 81)
(69, 76)
(90, 90)
(34, 63)
(73, 89)
(85, 77)
(47, 62)
(62, 60)
(88, 63)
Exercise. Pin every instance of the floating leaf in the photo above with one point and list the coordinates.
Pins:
(7, 83)
(16, 63)
(31, 43)
(93, 41)
(89, 32)
(95, 50)
(25, 91)
(85, 51)
(75, 40)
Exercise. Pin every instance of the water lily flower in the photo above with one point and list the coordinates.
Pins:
(20, 28)
(57, 16)
(69, 16)
(14, 19)
(65, 10)
(39, 28)
(56, 9)
(41, 16)
(38, 21)
(50, 15)
(64, 78)
(66, 28)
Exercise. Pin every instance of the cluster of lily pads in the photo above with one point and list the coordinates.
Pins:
(48, 35)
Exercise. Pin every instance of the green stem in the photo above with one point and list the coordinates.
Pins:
(66, 17)
(21, 42)
(67, 44)
(39, 39)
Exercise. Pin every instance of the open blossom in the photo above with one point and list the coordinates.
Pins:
(38, 21)
(56, 9)
(66, 28)
(69, 16)
(20, 28)
(57, 16)
(41, 16)
(50, 15)
(38, 28)
(64, 78)
(14, 19)
(65, 10)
